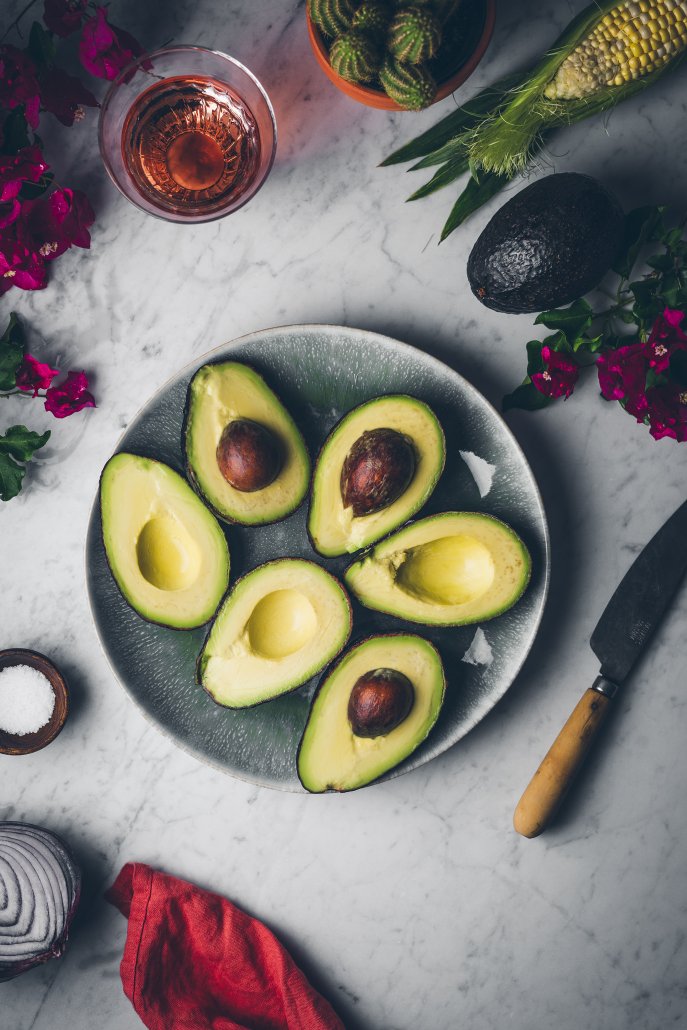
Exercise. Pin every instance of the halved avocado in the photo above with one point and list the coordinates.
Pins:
(362, 438)
(333, 755)
(446, 570)
(244, 452)
(279, 626)
(167, 552)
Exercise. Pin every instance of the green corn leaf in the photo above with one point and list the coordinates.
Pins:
(473, 196)
(451, 171)
(572, 322)
(454, 123)
(527, 397)
(453, 149)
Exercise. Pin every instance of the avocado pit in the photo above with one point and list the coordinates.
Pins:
(450, 570)
(380, 700)
(377, 470)
(167, 554)
(281, 623)
(248, 455)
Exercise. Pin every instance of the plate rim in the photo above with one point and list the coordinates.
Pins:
(439, 365)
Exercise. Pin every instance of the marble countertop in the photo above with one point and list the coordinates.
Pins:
(412, 904)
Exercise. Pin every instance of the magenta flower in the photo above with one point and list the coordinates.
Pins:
(622, 377)
(65, 96)
(104, 49)
(27, 165)
(20, 264)
(665, 338)
(59, 221)
(668, 411)
(70, 396)
(34, 375)
(64, 16)
(560, 374)
(18, 83)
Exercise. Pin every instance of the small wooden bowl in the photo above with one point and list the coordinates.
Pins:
(27, 743)
(377, 97)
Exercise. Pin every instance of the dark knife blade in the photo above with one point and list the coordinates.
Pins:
(640, 602)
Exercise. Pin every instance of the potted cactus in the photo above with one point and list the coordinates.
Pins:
(399, 54)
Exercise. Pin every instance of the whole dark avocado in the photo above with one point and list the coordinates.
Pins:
(552, 243)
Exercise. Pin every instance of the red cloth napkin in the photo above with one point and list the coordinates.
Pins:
(194, 961)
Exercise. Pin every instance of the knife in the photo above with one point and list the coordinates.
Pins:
(623, 631)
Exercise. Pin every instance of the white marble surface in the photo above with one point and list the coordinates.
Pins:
(412, 904)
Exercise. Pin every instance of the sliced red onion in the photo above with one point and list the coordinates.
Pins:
(39, 891)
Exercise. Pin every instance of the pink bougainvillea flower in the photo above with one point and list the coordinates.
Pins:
(34, 375)
(104, 49)
(560, 374)
(64, 16)
(665, 338)
(18, 83)
(20, 264)
(27, 165)
(70, 396)
(667, 406)
(622, 377)
(59, 221)
(65, 96)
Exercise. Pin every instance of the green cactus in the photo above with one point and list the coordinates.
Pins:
(355, 56)
(372, 17)
(332, 16)
(410, 85)
(414, 35)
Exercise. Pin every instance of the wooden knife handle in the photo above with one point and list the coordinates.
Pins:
(545, 791)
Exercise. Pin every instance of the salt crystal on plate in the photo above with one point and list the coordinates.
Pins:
(27, 700)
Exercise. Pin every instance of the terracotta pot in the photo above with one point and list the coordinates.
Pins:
(372, 97)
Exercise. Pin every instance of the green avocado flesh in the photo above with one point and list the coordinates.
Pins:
(219, 395)
(333, 528)
(166, 551)
(445, 570)
(331, 756)
(278, 627)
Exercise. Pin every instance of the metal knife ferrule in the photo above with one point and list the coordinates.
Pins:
(606, 687)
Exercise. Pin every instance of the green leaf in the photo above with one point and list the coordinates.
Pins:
(535, 362)
(640, 227)
(590, 344)
(11, 476)
(15, 131)
(31, 190)
(527, 397)
(672, 238)
(41, 46)
(453, 124)
(11, 352)
(625, 316)
(571, 321)
(471, 199)
(19, 444)
(22, 443)
(661, 262)
(678, 367)
(449, 173)
(672, 290)
(647, 303)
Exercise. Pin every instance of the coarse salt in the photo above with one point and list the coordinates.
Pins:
(27, 699)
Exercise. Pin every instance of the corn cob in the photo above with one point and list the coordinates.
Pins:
(632, 40)
(609, 52)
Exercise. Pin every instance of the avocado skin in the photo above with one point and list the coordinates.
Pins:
(552, 243)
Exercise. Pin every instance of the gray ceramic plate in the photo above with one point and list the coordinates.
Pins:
(320, 372)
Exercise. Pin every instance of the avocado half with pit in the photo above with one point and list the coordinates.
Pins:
(244, 452)
(280, 625)
(167, 552)
(446, 570)
(376, 469)
(371, 711)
